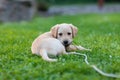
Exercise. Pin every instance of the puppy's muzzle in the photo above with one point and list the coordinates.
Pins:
(66, 43)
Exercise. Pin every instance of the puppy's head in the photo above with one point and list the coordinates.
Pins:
(64, 32)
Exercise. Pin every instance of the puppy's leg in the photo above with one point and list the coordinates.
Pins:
(82, 48)
(44, 55)
(74, 47)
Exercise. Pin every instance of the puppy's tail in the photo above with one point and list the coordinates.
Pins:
(44, 55)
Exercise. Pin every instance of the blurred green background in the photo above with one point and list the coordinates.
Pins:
(21, 21)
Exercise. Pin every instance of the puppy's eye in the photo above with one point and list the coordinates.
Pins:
(60, 34)
(69, 33)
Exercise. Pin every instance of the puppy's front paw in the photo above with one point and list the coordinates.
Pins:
(88, 49)
(82, 48)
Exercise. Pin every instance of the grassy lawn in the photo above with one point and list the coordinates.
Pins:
(99, 32)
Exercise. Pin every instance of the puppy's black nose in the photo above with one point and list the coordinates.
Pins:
(65, 42)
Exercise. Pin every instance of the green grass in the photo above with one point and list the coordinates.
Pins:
(99, 32)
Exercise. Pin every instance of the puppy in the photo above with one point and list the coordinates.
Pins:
(57, 41)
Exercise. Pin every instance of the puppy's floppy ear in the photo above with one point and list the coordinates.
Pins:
(54, 30)
(74, 30)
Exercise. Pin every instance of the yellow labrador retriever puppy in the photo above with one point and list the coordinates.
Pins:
(56, 42)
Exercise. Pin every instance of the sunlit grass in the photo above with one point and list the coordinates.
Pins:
(100, 32)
